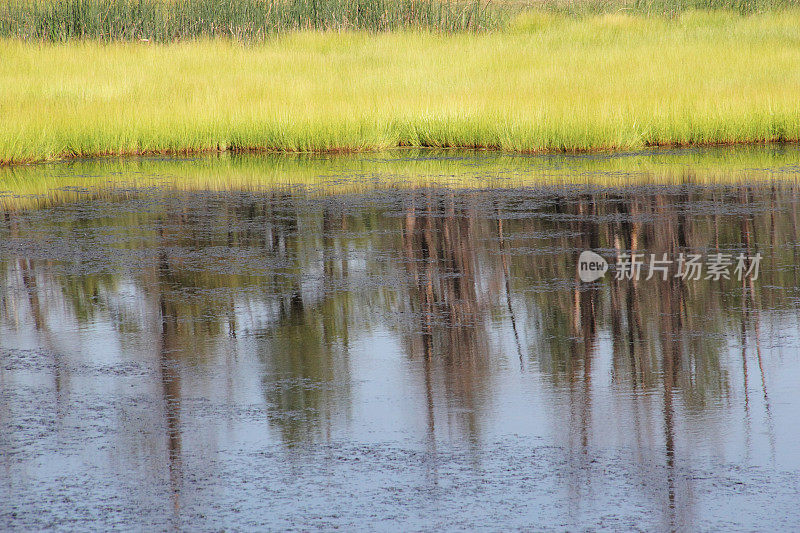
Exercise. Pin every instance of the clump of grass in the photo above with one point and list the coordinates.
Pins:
(169, 20)
(613, 82)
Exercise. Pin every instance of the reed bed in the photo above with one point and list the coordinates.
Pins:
(548, 83)
(257, 20)
(668, 8)
(244, 20)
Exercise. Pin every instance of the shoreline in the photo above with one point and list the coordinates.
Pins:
(628, 150)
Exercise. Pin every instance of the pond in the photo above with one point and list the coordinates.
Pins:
(401, 341)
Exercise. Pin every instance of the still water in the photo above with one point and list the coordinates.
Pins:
(398, 342)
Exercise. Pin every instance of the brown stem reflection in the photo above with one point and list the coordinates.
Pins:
(471, 292)
(507, 286)
(27, 269)
(748, 237)
(444, 304)
(170, 349)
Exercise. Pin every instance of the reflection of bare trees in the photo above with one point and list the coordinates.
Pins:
(655, 324)
(304, 277)
(451, 245)
(445, 308)
(501, 243)
(170, 348)
(27, 270)
(306, 347)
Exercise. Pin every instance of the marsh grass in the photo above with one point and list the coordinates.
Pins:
(245, 20)
(257, 20)
(549, 83)
(668, 8)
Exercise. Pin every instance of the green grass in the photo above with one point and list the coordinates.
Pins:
(257, 20)
(548, 82)
(669, 8)
(244, 20)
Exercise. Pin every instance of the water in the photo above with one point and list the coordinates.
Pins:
(398, 342)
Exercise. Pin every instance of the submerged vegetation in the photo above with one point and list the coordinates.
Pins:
(25, 187)
(547, 83)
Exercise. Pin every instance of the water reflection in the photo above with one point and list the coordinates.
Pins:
(429, 315)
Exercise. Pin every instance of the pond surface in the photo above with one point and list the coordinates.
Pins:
(399, 342)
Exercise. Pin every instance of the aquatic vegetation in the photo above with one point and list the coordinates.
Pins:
(24, 187)
(612, 82)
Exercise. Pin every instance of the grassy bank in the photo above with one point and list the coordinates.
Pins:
(546, 83)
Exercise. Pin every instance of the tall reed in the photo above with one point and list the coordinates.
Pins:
(254, 20)
(170, 20)
(662, 7)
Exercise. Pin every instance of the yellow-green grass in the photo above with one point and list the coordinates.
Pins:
(33, 186)
(547, 83)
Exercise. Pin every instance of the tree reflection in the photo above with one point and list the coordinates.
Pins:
(448, 331)
(306, 275)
